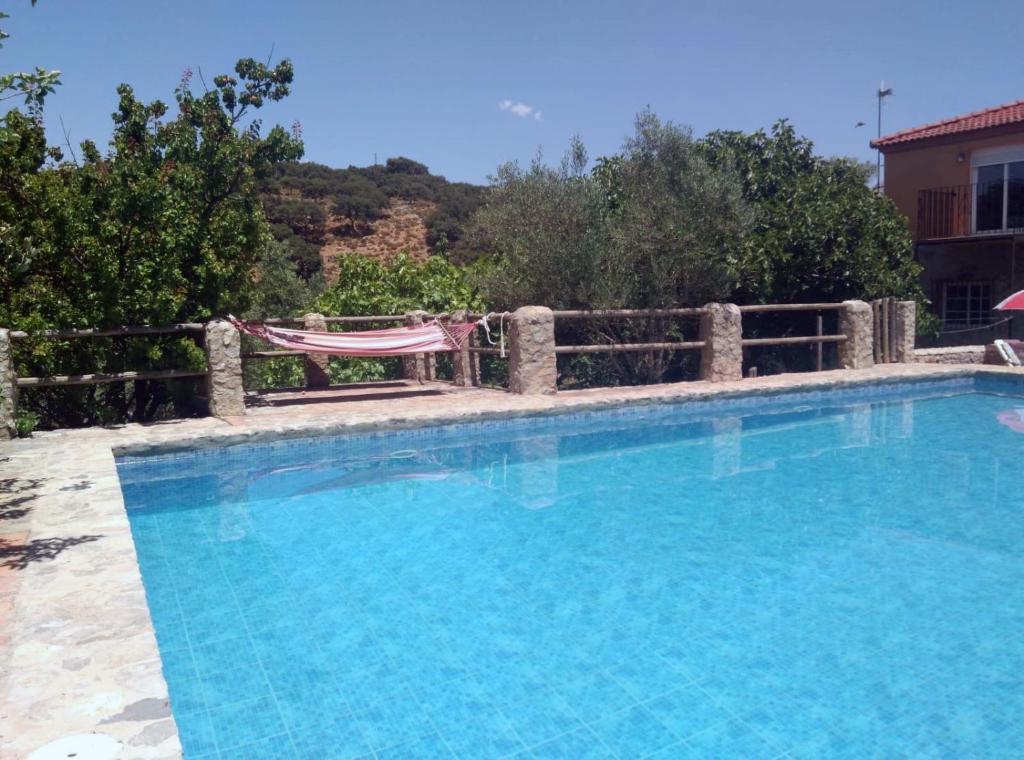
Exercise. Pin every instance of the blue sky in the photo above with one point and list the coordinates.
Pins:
(427, 79)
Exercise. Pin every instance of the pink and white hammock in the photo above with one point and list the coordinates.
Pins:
(427, 338)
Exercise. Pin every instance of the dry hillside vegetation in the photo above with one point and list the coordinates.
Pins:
(319, 213)
(402, 227)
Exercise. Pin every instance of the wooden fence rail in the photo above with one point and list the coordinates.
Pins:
(603, 348)
(751, 308)
(109, 332)
(107, 377)
(801, 340)
(629, 313)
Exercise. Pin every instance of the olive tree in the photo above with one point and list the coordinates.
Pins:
(656, 225)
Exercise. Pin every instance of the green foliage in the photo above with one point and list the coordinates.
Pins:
(654, 226)
(446, 224)
(299, 226)
(366, 286)
(279, 291)
(164, 227)
(673, 221)
(403, 165)
(25, 422)
(821, 232)
(543, 230)
(357, 198)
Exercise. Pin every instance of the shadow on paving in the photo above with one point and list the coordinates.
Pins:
(14, 494)
(341, 399)
(18, 556)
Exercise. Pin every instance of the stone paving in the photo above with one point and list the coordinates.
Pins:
(77, 650)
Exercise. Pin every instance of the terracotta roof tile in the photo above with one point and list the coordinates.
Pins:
(997, 116)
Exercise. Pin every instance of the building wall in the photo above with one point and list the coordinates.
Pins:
(997, 262)
(933, 163)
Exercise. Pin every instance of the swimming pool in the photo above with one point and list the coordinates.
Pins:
(804, 575)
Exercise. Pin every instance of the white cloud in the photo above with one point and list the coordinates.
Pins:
(522, 110)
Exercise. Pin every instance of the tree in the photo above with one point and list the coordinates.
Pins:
(456, 204)
(821, 233)
(654, 226)
(166, 226)
(403, 165)
(279, 291)
(673, 221)
(543, 231)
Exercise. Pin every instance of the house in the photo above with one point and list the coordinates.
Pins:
(960, 182)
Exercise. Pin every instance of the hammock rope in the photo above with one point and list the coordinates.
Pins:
(501, 329)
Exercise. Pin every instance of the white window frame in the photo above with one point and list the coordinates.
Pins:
(969, 284)
(992, 157)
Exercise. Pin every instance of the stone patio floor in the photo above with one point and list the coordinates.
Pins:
(77, 650)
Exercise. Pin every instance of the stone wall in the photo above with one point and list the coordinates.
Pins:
(950, 355)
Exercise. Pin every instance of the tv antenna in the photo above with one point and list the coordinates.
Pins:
(883, 93)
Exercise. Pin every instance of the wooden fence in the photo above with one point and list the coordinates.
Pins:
(877, 332)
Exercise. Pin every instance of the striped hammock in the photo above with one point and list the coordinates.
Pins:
(429, 337)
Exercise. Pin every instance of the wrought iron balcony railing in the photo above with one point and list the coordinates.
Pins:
(983, 208)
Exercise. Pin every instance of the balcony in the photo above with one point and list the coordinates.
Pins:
(982, 208)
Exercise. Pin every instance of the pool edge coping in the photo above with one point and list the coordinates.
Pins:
(683, 392)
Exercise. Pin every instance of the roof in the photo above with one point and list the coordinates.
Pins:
(997, 116)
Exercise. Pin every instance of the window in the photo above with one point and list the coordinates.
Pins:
(998, 177)
(966, 304)
(988, 198)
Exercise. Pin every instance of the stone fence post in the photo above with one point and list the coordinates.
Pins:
(856, 322)
(8, 388)
(420, 367)
(721, 329)
(905, 332)
(316, 367)
(532, 368)
(224, 369)
(462, 374)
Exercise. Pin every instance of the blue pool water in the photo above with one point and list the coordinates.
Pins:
(810, 576)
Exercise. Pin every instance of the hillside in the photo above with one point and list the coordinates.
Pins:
(321, 213)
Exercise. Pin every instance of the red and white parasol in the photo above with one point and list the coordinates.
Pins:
(1014, 302)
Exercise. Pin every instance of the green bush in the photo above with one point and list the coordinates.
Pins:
(25, 422)
(366, 286)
